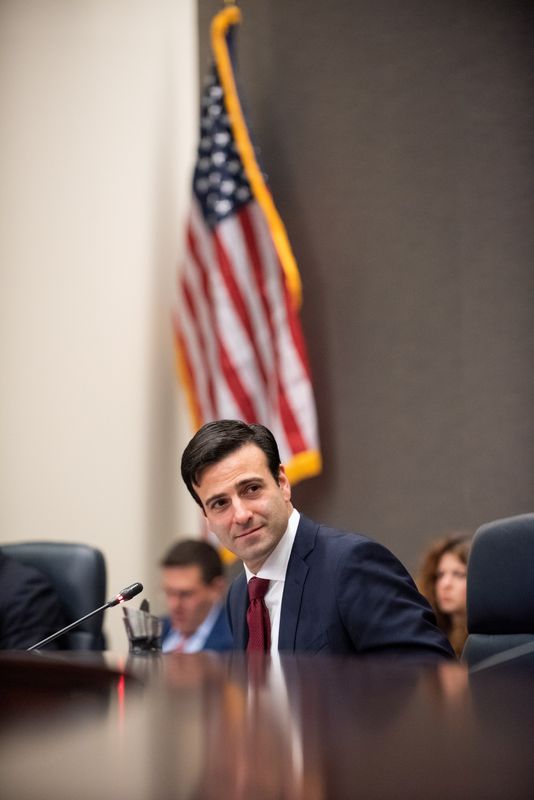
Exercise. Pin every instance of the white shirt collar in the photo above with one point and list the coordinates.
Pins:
(275, 566)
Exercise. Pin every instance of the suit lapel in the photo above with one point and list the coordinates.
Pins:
(238, 612)
(297, 570)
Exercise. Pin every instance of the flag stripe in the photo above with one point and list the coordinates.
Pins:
(186, 374)
(236, 297)
(193, 358)
(289, 422)
(231, 233)
(242, 397)
(243, 382)
(292, 372)
(202, 347)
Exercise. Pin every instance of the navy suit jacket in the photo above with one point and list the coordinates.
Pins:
(220, 636)
(343, 594)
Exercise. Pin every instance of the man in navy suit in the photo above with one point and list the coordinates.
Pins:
(193, 584)
(329, 591)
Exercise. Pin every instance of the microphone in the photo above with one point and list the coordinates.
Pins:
(121, 597)
(126, 594)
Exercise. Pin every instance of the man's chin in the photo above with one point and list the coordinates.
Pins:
(254, 557)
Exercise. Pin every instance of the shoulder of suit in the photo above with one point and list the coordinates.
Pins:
(319, 529)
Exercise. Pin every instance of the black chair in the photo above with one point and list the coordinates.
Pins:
(500, 589)
(78, 574)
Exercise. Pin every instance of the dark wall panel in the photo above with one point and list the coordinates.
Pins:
(398, 138)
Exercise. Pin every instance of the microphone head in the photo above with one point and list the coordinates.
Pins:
(126, 594)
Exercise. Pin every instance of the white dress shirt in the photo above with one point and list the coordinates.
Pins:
(274, 570)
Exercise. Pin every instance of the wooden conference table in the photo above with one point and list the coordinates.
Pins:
(218, 726)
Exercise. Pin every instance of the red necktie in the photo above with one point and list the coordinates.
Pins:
(259, 624)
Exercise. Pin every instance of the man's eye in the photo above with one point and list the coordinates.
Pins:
(217, 505)
(253, 488)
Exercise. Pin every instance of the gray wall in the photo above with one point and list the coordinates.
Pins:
(398, 137)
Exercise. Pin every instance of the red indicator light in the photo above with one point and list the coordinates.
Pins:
(120, 598)
(121, 702)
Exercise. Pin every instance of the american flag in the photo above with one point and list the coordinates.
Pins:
(241, 353)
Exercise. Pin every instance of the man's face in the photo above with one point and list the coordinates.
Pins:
(189, 599)
(246, 508)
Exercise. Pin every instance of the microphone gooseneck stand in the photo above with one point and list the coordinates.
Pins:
(121, 597)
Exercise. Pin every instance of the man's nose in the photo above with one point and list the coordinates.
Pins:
(175, 602)
(241, 513)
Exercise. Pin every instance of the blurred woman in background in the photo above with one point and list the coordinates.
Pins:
(442, 580)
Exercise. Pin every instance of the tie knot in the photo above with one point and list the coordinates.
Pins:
(257, 588)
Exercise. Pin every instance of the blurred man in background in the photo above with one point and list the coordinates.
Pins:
(194, 586)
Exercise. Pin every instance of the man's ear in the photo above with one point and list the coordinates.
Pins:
(283, 482)
(218, 584)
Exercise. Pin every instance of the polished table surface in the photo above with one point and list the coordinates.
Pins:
(224, 726)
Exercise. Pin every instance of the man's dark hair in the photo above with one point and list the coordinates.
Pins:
(193, 552)
(216, 440)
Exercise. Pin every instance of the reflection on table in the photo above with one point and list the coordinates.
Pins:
(227, 726)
